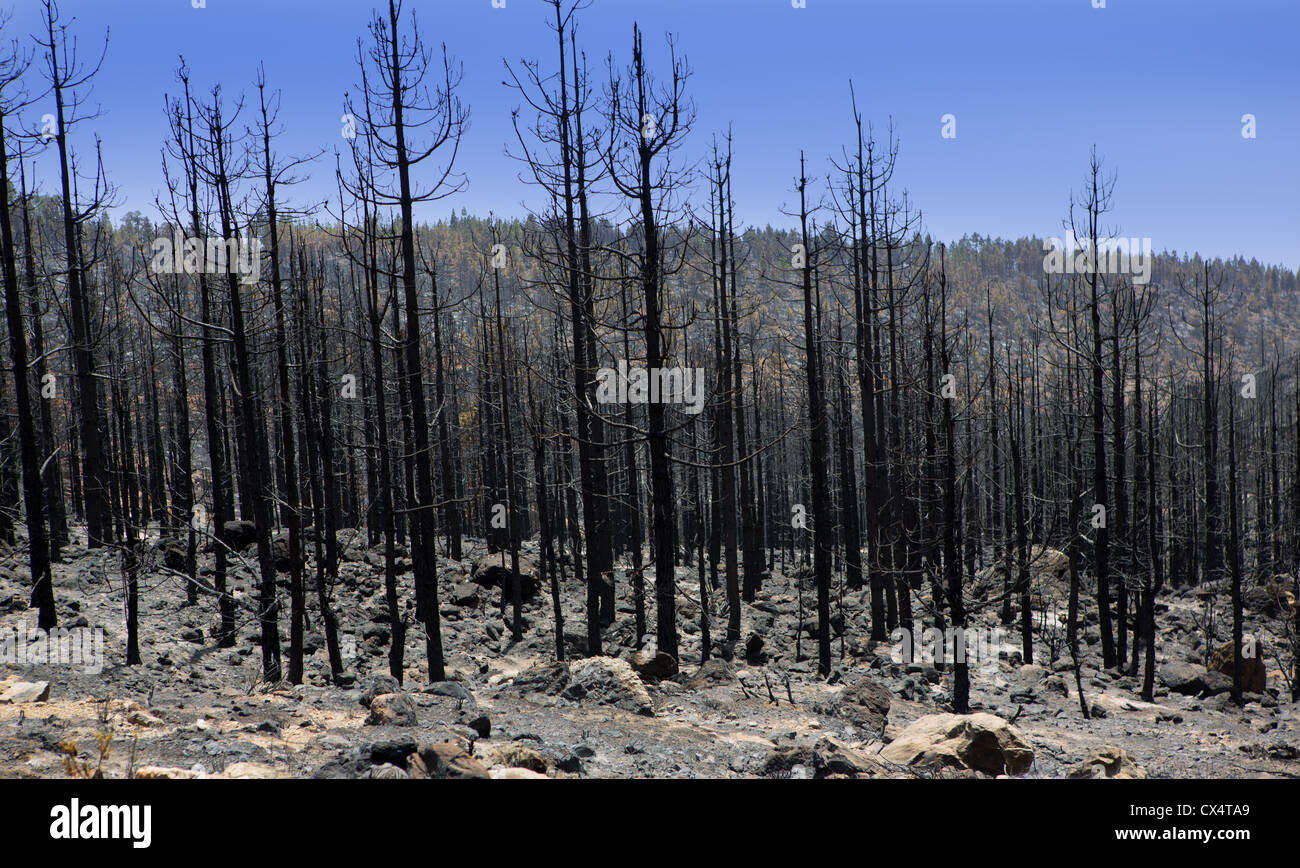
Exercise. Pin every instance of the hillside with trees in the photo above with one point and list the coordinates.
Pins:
(331, 477)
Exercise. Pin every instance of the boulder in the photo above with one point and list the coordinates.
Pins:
(1049, 564)
(516, 774)
(825, 758)
(164, 773)
(378, 684)
(493, 571)
(981, 742)
(1057, 685)
(140, 717)
(865, 703)
(548, 678)
(444, 760)
(1181, 677)
(1272, 599)
(20, 692)
(249, 771)
(712, 673)
(1030, 674)
(391, 709)
(1254, 677)
(1108, 761)
(515, 755)
(280, 552)
(240, 534)
(653, 666)
(387, 772)
(1049, 578)
(608, 681)
(479, 722)
(393, 751)
(465, 594)
(173, 552)
(453, 689)
(590, 681)
(1215, 683)
(870, 695)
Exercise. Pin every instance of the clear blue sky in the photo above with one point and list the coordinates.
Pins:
(1159, 85)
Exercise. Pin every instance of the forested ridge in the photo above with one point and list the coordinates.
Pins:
(354, 409)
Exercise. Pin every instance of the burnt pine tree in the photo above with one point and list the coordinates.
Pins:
(820, 511)
(1234, 555)
(564, 176)
(66, 76)
(647, 123)
(724, 430)
(384, 507)
(398, 102)
(273, 175)
(1096, 202)
(951, 529)
(254, 463)
(185, 148)
(51, 473)
(12, 66)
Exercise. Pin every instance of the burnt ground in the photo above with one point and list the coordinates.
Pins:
(197, 710)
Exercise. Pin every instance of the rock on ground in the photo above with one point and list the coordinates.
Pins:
(391, 709)
(516, 756)
(1108, 761)
(653, 666)
(1182, 677)
(19, 692)
(827, 758)
(492, 571)
(446, 760)
(870, 701)
(590, 681)
(1254, 677)
(982, 742)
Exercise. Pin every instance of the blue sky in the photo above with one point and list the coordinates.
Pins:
(1159, 86)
